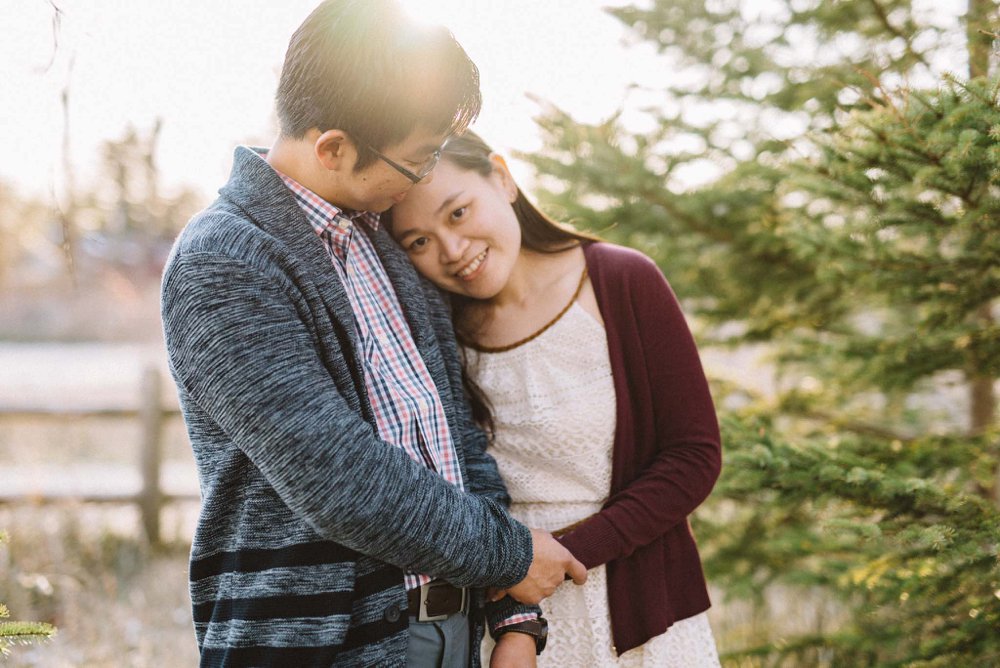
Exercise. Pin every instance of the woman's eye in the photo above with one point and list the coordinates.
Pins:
(417, 244)
(458, 213)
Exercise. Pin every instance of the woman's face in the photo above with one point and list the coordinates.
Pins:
(460, 230)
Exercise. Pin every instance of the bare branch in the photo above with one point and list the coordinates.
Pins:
(57, 14)
(67, 213)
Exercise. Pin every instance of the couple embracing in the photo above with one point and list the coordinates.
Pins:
(418, 406)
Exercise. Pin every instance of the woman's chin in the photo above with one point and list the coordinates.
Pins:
(478, 289)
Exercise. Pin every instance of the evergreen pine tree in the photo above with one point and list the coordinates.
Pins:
(853, 227)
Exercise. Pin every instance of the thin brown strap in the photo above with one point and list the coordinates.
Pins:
(569, 527)
(530, 337)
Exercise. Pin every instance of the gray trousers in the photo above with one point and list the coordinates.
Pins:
(443, 644)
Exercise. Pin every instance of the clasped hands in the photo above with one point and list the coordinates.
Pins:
(551, 563)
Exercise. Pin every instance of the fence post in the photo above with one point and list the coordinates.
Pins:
(151, 415)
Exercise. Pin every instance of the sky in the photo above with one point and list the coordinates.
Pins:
(209, 69)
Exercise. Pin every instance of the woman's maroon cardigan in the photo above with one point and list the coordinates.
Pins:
(666, 457)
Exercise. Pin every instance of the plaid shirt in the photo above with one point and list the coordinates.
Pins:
(408, 410)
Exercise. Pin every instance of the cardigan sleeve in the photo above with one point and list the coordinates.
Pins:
(658, 351)
(242, 352)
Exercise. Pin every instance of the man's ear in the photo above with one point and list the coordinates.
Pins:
(506, 179)
(335, 150)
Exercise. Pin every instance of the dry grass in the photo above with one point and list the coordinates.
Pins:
(116, 602)
(86, 567)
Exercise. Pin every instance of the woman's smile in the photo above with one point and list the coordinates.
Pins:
(471, 270)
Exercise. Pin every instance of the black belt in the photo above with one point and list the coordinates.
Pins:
(436, 600)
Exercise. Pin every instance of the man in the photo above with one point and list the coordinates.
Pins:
(346, 494)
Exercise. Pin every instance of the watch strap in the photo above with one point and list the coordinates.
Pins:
(536, 628)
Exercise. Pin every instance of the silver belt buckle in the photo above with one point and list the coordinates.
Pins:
(425, 589)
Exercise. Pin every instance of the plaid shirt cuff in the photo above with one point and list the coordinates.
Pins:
(515, 619)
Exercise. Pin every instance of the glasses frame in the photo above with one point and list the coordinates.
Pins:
(415, 177)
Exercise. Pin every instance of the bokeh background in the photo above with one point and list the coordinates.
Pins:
(820, 182)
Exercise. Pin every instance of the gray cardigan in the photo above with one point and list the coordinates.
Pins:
(308, 518)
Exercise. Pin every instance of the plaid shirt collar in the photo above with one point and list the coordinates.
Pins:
(328, 220)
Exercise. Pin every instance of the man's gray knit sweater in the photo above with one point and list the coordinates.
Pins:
(308, 518)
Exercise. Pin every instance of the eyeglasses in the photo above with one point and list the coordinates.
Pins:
(416, 177)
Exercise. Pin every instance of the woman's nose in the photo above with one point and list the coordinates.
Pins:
(452, 247)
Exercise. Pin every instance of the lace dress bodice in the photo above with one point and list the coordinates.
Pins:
(554, 407)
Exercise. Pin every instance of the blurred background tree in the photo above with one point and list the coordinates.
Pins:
(812, 179)
(88, 266)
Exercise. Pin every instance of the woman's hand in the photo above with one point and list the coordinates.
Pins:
(514, 650)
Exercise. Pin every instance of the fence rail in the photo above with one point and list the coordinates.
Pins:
(151, 413)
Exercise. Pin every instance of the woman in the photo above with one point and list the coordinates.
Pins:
(581, 364)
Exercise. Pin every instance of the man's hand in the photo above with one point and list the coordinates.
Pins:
(550, 564)
(514, 650)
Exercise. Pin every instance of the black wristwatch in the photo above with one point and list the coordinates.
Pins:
(536, 628)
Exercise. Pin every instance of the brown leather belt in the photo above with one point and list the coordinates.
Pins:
(436, 600)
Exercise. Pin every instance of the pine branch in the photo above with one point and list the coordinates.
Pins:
(26, 632)
(861, 428)
(23, 633)
(893, 30)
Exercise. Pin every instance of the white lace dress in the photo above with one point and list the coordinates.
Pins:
(554, 407)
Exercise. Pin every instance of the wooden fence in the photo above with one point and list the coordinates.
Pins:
(151, 497)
